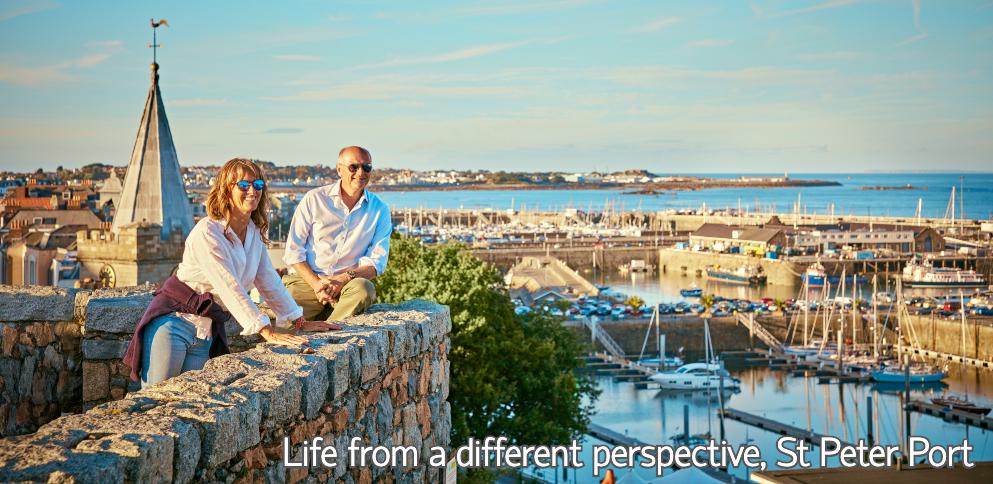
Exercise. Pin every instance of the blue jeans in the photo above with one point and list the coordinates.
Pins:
(170, 347)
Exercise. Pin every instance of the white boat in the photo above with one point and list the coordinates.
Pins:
(695, 376)
(920, 273)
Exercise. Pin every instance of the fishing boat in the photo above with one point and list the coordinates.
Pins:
(695, 376)
(922, 273)
(744, 275)
(691, 292)
(816, 276)
(963, 404)
(918, 374)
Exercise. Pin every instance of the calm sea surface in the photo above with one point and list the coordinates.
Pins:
(655, 417)
(933, 190)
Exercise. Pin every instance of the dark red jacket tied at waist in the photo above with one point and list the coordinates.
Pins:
(176, 297)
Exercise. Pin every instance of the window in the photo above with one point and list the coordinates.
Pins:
(32, 270)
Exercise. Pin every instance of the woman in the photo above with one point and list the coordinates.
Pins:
(225, 255)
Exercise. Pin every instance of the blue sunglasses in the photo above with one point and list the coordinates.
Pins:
(257, 184)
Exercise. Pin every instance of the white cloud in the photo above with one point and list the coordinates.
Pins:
(197, 102)
(298, 58)
(503, 8)
(831, 56)
(393, 88)
(105, 44)
(24, 9)
(462, 54)
(820, 6)
(710, 43)
(656, 25)
(28, 76)
(911, 40)
(917, 14)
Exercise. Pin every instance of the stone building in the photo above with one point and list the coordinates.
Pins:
(152, 213)
(748, 239)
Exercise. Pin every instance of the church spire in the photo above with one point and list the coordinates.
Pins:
(153, 189)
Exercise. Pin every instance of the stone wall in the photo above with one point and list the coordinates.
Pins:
(947, 336)
(778, 271)
(383, 379)
(40, 357)
(111, 316)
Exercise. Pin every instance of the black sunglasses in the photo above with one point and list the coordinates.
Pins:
(366, 167)
(243, 185)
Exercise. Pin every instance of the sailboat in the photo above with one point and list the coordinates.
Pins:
(662, 360)
(916, 373)
(919, 373)
(960, 403)
(708, 374)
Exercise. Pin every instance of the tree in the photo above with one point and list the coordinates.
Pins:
(708, 302)
(510, 376)
(635, 302)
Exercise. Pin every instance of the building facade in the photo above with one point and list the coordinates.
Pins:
(145, 241)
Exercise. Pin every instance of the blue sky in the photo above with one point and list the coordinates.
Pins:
(538, 85)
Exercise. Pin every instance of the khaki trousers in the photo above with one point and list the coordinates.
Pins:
(355, 297)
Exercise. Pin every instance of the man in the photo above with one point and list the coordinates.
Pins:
(339, 240)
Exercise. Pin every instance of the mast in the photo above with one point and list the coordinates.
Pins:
(962, 311)
(875, 320)
(961, 205)
(806, 308)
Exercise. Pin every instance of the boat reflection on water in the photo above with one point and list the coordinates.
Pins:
(696, 397)
(897, 388)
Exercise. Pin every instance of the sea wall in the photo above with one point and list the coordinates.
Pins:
(383, 379)
(778, 271)
(946, 335)
(684, 332)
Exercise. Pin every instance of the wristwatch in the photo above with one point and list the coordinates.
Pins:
(351, 275)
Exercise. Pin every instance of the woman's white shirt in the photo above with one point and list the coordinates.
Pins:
(216, 261)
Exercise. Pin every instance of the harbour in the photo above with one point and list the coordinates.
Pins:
(882, 348)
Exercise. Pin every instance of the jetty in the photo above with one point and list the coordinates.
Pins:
(950, 414)
(612, 437)
(772, 426)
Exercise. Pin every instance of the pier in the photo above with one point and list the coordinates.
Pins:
(945, 413)
(773, 426)
(612, 437)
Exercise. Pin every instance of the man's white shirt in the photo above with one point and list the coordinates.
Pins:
(331, 239)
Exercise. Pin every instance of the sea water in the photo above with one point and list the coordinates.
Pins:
(933, 190)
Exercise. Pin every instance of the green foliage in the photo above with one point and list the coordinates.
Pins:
(511, 376)
(635, 302)
(562, 305)
(708, 301)
(780, 305)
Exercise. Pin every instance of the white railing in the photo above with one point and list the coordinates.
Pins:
(763, 334)
(600, 335)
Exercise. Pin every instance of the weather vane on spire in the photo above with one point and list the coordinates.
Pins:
(154, 45)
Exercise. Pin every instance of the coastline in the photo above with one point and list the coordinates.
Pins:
(629, 188)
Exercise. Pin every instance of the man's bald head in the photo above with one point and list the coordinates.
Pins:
(356, 152)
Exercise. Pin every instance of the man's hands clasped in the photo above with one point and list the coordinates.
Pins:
(328, 289)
